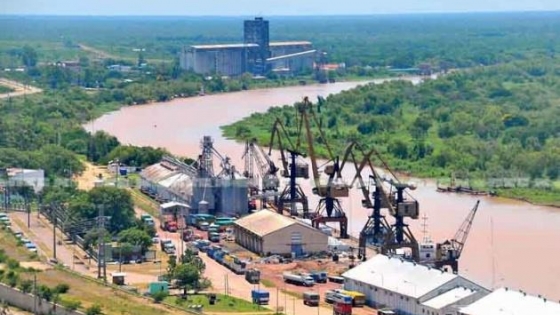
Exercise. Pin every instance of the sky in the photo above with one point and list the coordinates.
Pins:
(265, 7)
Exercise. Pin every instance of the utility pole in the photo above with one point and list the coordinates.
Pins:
(53, 219)
(34, 293)
(101, 245)
(117, 171)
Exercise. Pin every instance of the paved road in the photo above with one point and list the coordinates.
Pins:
(19, 88)
(240, 288)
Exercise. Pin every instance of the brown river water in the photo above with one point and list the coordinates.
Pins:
(511, 243)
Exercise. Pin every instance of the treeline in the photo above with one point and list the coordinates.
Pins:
(498, 121)
(45, 131)
(399, 41)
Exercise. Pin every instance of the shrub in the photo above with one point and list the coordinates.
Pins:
(26, 286)
(13, 264)
(95, 309)
(159, 296)
(70, 304)
(45, 292)
(61, 288)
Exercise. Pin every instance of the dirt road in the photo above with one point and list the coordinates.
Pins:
(86, 180)
(98, 53)
(19, 88)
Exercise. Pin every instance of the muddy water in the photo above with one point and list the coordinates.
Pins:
(511, 243)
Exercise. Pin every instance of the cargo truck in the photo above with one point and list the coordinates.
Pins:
(342, 304)
(168, 223)
(167, 246)
(147, 219)
(260, 297)
(311, 298)
(291, 278)
(214, 237)
(253, 276)
(319, 276)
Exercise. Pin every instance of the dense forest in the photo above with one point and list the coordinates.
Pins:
(487, 123)
(401, 41)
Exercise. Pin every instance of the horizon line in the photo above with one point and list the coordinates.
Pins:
(280, 15)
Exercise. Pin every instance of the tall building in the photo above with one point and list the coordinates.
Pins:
(257, 32)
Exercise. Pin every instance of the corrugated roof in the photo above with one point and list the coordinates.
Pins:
(449, 297)
(172, 204)
(224, 46)
(400, 276)
(156, 173)
(509, 302)
(265, 222)
(179, 183)
(292, 43)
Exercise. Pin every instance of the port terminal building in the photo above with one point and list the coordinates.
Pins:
(266, 232)
(410, 288)
(256, 55)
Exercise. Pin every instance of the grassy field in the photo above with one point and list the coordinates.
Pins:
(5, 89)
(223, 304)
(144, 202)
(87, 291)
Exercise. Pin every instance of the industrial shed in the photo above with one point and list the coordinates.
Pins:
(267, 232)
(410, 288)
(509, 302)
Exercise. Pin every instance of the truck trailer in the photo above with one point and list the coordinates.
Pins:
(168, 223)
(291, 278)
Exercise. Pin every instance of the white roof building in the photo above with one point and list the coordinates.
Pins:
(450, 301)
(509, 302)
(405, 286)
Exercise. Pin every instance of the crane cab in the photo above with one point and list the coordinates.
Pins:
(408, 209)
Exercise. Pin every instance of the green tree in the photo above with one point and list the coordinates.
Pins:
(29, 56)
(117, 204)
(135, 236)
(187, 276)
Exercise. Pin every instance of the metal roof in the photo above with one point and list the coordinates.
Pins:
(172, 204)
(264, 222)
(157, 172)
(224, 46)
(400, 276)
(292, 43)
(179, 183)
(508, 302)
(449, 297)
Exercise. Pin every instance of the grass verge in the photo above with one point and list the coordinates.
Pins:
(225, 304)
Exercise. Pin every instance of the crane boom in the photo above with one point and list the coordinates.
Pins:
(463, 232)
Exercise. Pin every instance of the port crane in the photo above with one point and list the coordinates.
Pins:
(292, 169)
(449, 252)
(258, 164)
(377, 230)
(329, 208)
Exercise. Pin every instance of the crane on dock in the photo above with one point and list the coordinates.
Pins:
(449, 252)
(292, 169)
(329, 208)
(259, 165)
(377, 230)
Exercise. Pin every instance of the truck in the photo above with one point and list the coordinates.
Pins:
(319, 276)
(168, 223)
(253, 276)
(214, 237)
(167, 246)
(311, 298)
(358, 298)
(342, 304)
(260, 297)
(147, 219)
(303, 280)
(234, 264)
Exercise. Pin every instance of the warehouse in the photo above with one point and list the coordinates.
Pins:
(509, 302)
(266, 232)
(410, 288)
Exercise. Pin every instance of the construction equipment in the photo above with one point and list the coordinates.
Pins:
(329, 208)
(292, 169)
(449, 252)
(259, 165)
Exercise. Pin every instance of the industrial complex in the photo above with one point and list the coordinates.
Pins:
(256, 55)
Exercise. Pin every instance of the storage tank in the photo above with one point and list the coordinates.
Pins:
(232, 196)
(203, 207)
(203, 191)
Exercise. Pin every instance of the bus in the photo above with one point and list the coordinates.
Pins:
(358, 298)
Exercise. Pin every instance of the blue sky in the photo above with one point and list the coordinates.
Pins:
(265, 7)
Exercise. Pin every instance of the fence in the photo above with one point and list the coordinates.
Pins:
(29, 302)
